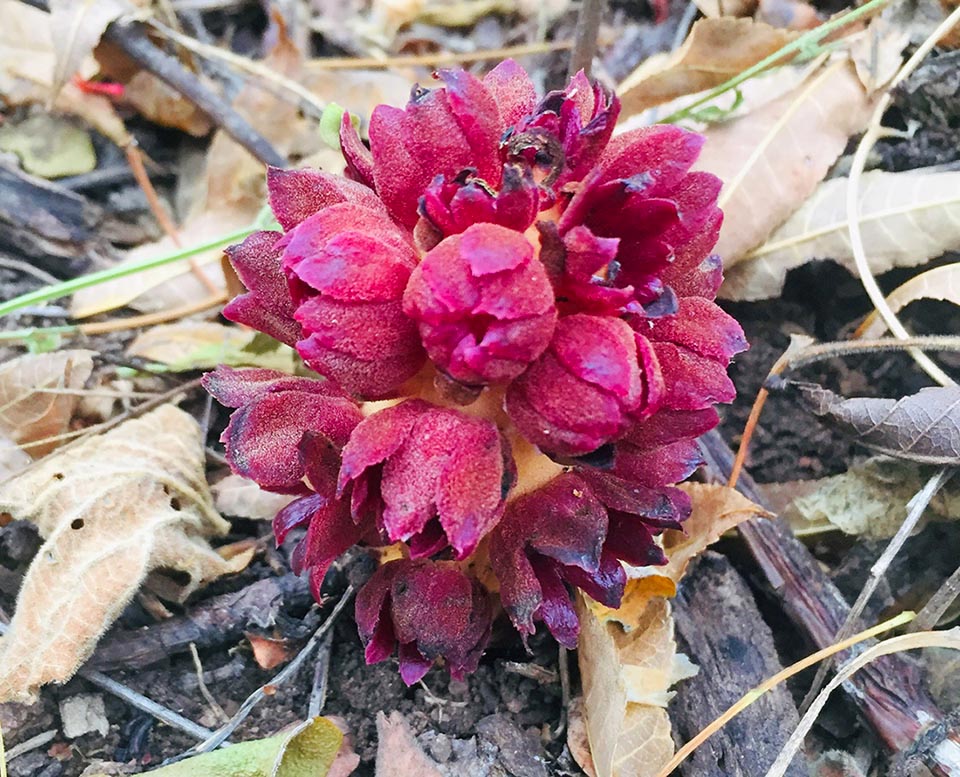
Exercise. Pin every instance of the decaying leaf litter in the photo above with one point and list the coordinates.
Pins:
(79, 403)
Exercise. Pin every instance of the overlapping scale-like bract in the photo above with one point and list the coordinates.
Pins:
(496, 272)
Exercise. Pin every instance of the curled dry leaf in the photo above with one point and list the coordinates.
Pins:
(307, 750)
(626, 680)
(398, 753)
(778, 154)
(922, 427)
(628, 658)
(905, 219)
(715, 51)
(36, 403)
(716, 8)
(111, 509)
(940, 283)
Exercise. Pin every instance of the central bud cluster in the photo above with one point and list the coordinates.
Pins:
(512, 313)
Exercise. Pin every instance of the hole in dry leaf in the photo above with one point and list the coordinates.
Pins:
(174, 500)
(76, 523)
(177, 576)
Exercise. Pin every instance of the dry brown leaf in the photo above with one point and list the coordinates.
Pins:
(578, 740)
(940, 283)
(867, 500)
(241, 497)
(155, 100)
(269, 653)
(772, 159)
(626, 678)
(233, 194)
(715, 50)
(76, 27)
(28, 60)
(922, 427)
(31, 407)
(398, 754)
(905, 219)
(111, 509)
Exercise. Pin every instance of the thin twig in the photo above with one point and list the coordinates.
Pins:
(132, 38)
(853, 200)
(563, 665)
(149, 706)
(307, 98)
(8, 263)
(931, 613)
(915, 509)
(321, 674)
(772, 682)
(585, 42)
(204, 691)
(218, 736)
(120, 324)
(948, 750)
(31, 744)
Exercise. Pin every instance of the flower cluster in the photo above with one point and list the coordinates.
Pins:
(511, 311)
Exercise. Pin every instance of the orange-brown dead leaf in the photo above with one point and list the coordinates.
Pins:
(111, 509)
(35, 403)
(715, 51)
(267, 652)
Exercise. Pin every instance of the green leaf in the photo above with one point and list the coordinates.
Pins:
(306, 751)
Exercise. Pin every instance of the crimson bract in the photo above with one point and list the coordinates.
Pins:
(510, 311)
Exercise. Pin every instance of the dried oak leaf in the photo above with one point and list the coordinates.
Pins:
(923, 427)
(34, 405)
(111, 509)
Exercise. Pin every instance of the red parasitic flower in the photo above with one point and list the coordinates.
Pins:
(512, 281)
(429, 611)
(429, 476)
(597, 378)
(347, 268)
(275, 412)
(483, 304)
